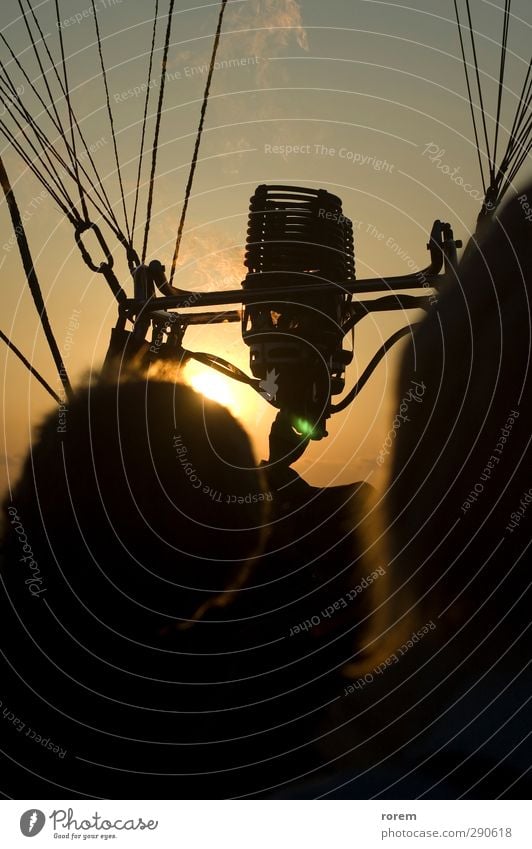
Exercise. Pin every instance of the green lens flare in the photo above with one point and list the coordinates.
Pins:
(303, 427)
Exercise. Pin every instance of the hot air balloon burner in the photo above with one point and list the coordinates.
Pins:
(298, 237)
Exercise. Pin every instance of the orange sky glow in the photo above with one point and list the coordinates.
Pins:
(365, 99)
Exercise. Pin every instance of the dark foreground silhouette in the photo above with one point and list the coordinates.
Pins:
(176, 625)
(439, 707)
(158, 602)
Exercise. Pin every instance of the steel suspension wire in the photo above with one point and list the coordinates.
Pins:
(29, 366)
(194, 162)
(157, 130)
(33, 282)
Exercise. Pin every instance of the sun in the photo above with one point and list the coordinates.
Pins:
(214, 386)
(241, 401)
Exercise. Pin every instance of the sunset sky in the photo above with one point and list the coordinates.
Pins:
(367, 90)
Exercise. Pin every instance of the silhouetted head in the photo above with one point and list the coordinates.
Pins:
(142, 496)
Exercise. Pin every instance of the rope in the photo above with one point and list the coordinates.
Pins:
(71, 213)
(504, 42)
(111, 120)
(157, 131)
(519, 144)
(479, 87)
(58, 123)
(524, 104)
(145, 116)
(198, 141)
(464, 59)
(31, 277)
(67, 205)
(47, 171)
(521, 138)
(525, 151)
(45, 144)
(29, 366)
(70, 115)
(103, 197)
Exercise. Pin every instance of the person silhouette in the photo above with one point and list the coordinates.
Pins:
(135, 521)
(152, 576)
(434, 703)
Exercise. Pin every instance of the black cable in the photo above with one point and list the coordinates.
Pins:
(229, 370)
(157, 130)
(29, 366)
(370, 368)
(198, 141)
